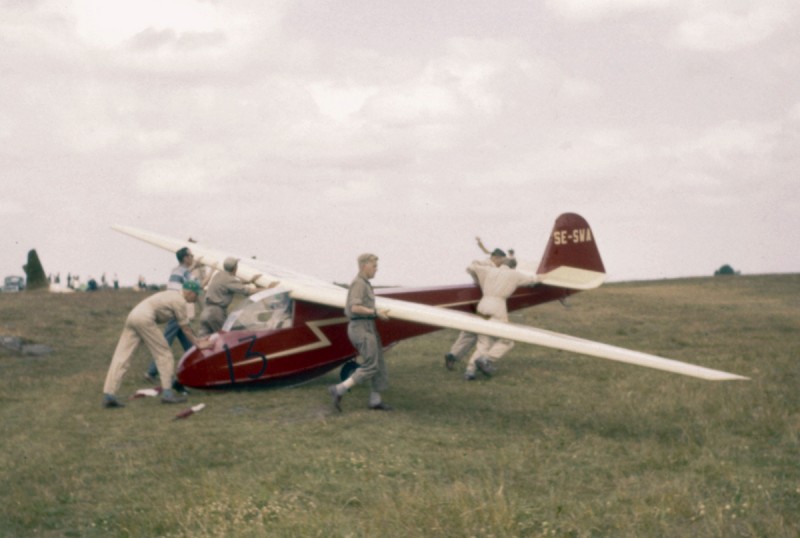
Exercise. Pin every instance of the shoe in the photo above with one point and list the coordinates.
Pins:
(169, 397)
(381, 407)
(337, 398)
(150, 378)
(110, 401)
(450, 361)
(469, 377)
(180, 389)
(485, 366)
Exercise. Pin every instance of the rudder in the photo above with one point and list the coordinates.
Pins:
(571, 259)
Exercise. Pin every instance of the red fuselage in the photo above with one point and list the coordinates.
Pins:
(317, 341)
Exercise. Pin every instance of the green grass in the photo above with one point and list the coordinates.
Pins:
(555, 445)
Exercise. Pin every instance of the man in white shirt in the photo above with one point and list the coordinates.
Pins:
(497, 282)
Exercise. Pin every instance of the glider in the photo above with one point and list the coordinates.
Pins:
(297, 330)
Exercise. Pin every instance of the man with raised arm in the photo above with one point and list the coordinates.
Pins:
(498, 282)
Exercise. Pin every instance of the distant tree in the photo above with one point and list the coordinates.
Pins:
(34, 272)
(725, 270)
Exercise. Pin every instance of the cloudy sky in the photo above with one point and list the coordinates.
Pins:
(305, 132)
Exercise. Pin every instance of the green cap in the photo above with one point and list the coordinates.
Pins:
(192, 285)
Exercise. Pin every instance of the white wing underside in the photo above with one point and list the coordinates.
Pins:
(307, 288)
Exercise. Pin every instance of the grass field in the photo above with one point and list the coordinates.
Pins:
(554, 445)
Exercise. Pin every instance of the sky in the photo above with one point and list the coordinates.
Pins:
(307, 132)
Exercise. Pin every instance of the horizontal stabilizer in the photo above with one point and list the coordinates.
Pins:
(573, 278)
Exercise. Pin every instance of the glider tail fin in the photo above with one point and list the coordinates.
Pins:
(571, 259)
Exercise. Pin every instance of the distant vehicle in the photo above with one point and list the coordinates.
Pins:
(14, 284)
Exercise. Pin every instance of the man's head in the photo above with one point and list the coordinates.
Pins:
(497, 257)
(184, 256)
(367, 265)
(191, 290)
(230, 265)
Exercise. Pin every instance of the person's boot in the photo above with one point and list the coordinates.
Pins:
(110, 401)
(169, 397)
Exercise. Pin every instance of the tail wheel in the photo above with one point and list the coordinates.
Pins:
(348, 369)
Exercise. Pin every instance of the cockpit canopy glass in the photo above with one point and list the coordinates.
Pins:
(266, 310)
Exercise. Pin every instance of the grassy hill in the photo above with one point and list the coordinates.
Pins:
(554, 445)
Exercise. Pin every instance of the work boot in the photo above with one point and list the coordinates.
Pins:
(180, 389)
(110, 401)
(381, 406)
(336, 397)
(486, 366)
(169, 397)
(450, 361)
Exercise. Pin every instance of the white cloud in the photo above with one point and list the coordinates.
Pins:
(413, 104)
(482, 70)
(109, 22)
(339, 101)
(353, 191)
(155, 140)
(734, 139)
(597, 9)
(580, 89)
(10, 208)
(447, 123)
(189, 175)
(794, 113)
(723, 28)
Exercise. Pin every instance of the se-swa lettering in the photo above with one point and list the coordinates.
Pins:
(578, 235)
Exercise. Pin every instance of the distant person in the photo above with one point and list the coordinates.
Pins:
(222, 288)
(116, 282)
(360, 310)
(497, 282)
(177, 277)
(141, 326)
(510, 260)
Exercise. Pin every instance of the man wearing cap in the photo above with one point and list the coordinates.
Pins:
(177, 277)
(222, 288)
(498, 282)
(467, 340)
(141, 326)
(361, 311)
(509, 260)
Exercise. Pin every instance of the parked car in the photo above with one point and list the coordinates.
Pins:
(14, 283)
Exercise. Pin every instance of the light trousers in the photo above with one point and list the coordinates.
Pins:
(134, 333)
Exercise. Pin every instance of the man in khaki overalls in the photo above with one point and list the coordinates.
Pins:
(141, 326)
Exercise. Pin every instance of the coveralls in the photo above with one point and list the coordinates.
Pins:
(497, 283)
(141, 326)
